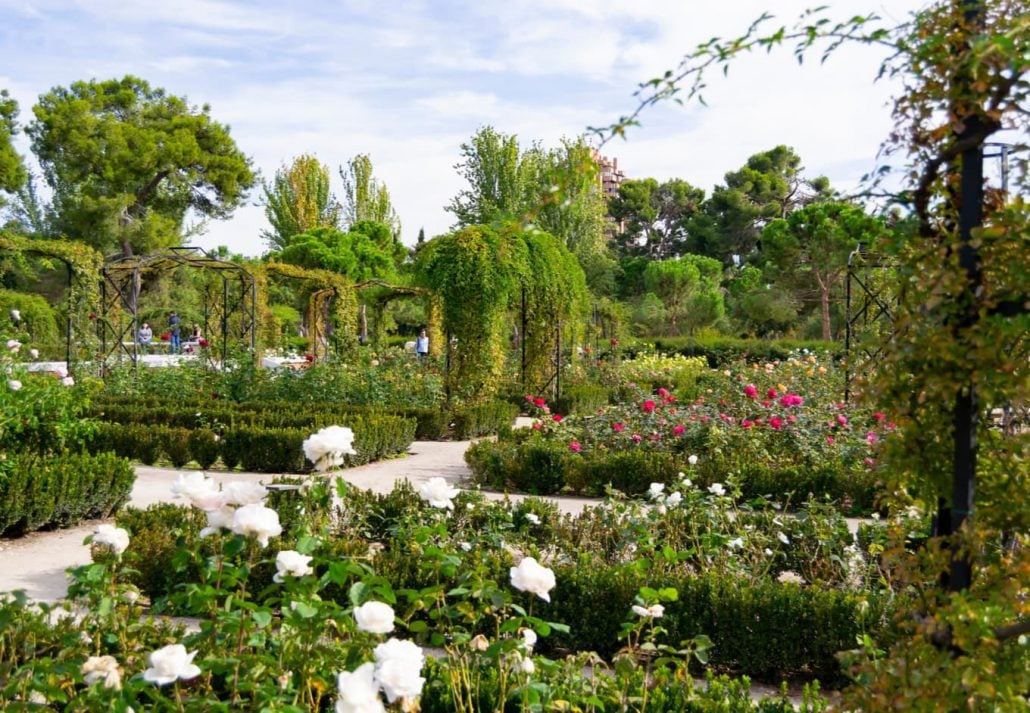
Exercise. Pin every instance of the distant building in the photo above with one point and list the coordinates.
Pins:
(611, 177)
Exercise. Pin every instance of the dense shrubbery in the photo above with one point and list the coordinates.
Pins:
(483, 419)
(60, 490)
(258, 449)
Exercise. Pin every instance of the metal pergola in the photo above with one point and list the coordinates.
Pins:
(234, 310)
(870, 305)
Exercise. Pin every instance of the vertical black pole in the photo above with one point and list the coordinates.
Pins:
(970, 217)
(522, 339)
(225, 321)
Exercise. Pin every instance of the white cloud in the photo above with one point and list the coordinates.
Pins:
(408, 82)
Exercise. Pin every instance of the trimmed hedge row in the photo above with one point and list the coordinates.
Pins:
(484, 419)
(256, 449)
(547, 467)
(725, 350)
(586, 398)
(431, 424)
(59, 491)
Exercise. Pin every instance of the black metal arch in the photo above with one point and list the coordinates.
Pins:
(871, 302)
(121, 280)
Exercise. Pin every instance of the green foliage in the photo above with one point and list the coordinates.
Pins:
(502, 181)
(43, 416)
(127, 162)
(60, 490)
(203, 447)
(810, 248)
(720, 351)
(689, 288)
(298, 200)
(12, 168)
(366, 252)
(657, 216)
(583, 399)
(38, 322)
(175, 442)
(475, 420)
(366, 199)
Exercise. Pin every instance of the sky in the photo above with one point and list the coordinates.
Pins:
(407, 82)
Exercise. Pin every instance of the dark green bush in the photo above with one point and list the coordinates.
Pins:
(175, 442)
(485, 419)
(586, 398)
(203, 445)
(631, 472)
(272, 450)
(58, 491)
(146, 443)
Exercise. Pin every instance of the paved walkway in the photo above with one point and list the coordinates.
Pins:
(37, 561)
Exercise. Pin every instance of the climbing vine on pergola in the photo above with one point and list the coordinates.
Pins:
(332, 302)
(382, 293)
(486, 274)
(84, 265)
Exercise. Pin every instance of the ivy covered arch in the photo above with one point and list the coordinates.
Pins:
(382, 293)
(84, 265)
(331, 298)
(484, 275)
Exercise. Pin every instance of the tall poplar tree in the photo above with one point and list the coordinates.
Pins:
(365, 198)
(298, 200)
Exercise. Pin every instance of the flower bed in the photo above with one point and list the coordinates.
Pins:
(442, 552)
(774, 429)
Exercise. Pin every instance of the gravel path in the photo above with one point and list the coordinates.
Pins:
(37, 561)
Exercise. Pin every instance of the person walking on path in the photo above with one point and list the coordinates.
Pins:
(422, 345)
(174, 324)
(144, 337)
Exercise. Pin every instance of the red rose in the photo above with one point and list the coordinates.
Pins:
(648, 406)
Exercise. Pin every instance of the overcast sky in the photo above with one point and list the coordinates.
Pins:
(408, 82)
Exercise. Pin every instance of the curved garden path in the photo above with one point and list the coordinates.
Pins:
(37, 561)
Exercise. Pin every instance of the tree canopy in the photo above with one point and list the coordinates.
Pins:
(367, 251)
(127, 162)
(656, 216)
(297, 200)
(365, 198)
(12, 168)
(503, 182)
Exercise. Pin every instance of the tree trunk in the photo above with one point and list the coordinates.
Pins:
(824, 303)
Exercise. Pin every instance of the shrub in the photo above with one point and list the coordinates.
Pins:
(58, 491)
(630, 472)
(175, 442)
(484, 419)
(203, 446)
(272, 450)
(586, 398)
(147, 443)
(719, 351)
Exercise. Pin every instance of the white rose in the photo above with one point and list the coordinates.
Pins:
(674, 499)
(14, 385)
(532, 518)
(219, 519)
(736, 543)
(16, 315)
(398, 665)
(374, 617)
(292, 563)
(102, 668)
(13, 345)
(258, 521)
(244, 493)
(717, 489)
(655, 611)
(34, 353)
(655, 491)
(114, 537)
(200, 490)
(327, 447)
(68, 381)
(171, 663)
(530, 576)
(358, 691)
(783, 538)
(438, 493)
(529, 638)
(692, 460)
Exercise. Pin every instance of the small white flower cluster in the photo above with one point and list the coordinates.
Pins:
(250, 518)
(655, 611)
(328, 447)
(396, 671)
(290, 563)
(438, 493)
(102, 668)
(717, 489)
(657, 493)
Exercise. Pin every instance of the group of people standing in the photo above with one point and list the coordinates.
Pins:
(145, 336)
